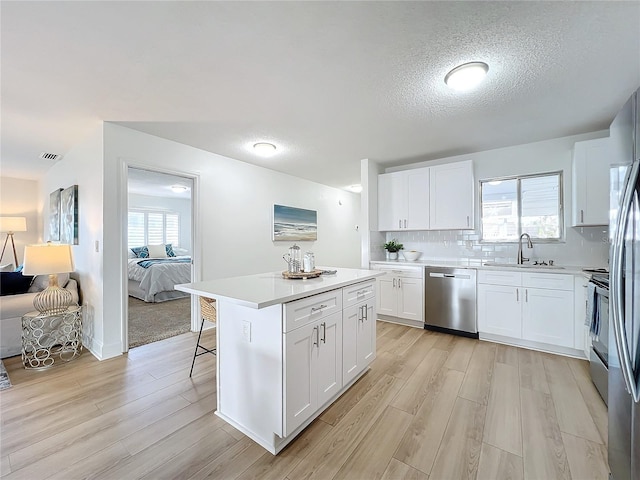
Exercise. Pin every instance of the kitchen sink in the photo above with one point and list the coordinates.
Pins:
(525, 265)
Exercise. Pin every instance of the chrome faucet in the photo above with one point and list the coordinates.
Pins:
(521, 257)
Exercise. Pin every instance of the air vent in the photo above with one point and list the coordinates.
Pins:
(50, 156)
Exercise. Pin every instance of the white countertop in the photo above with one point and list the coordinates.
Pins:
(266, 289)
(568, 269)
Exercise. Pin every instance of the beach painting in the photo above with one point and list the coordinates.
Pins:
(294, 224)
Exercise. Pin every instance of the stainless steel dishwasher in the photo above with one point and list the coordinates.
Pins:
(450, 300)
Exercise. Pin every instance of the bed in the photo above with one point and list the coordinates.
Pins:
(152, 279)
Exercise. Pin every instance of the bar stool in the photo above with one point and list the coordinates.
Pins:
(208, 313)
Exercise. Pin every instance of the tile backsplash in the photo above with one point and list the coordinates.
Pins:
(583, 246)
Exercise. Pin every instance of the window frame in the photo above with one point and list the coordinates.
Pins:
(146, 212)
(561, 221)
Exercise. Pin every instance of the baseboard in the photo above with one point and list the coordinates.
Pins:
(540, 347)
(401, 321)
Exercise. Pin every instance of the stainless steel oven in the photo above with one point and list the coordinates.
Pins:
(598, 308)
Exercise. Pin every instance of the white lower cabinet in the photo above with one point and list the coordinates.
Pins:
(401, 292)
(359, 329)
(512, 304)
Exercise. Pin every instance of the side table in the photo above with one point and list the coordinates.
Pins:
(50, 338)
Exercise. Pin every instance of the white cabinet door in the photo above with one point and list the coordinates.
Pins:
(451, 196)
(392, 201)
(387, 295)
(410, 298)
(367, 335)
(417, 190)
(547, 316)
(590, 182)
(499, 310)
(300, 376)
(358, 339)
(329, 358)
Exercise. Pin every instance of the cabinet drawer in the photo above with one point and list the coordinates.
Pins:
(400, 270)
(551, 281)
(358, 293)
(307, 310)
(499, 277)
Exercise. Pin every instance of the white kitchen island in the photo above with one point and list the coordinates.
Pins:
(287, 349)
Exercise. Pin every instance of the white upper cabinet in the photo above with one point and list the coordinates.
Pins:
(451, 196)
(591, 183)
(403, 200)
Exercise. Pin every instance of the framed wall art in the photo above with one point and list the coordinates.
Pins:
(54, 215)
(69, 215)
(294, 224)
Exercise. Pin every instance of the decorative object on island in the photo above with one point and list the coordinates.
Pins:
(10, 225)
(293, 259)
(69, 215)
(294, 224)
(54, 215)
(393, 247)
(49, 259)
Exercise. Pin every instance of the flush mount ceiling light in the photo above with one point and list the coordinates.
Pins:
(179, 188)
(264, 149)
(355, 188)
(466, 76)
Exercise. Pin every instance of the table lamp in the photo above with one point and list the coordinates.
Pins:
(49, 259)
(10, 225)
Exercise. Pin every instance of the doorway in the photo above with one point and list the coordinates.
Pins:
(159, 254)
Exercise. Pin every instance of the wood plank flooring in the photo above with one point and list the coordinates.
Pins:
(433, 406)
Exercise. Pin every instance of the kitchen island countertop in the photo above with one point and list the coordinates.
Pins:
(265, 289)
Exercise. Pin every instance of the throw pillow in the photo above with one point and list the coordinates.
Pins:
(169, 248)
(157, 251)
(14, 283)
(141, 252)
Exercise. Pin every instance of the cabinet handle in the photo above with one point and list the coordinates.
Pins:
(468, 221)
(399, 283)
(399, 223)
(324, 332)
(517, 294)
(316, 331)
(394, 283)
(526, 295)
(581, 216)
(315, 309)
(360, 292)
(405, 223)
(360, 314)
(365, 311)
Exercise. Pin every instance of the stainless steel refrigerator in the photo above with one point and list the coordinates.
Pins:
(624, 302)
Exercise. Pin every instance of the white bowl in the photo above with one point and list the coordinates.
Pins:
(411, 255)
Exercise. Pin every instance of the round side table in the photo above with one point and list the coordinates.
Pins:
(51, 338)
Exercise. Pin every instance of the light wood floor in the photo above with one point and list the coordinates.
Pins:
(433, 406)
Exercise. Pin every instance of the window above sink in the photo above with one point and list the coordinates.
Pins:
(533, 204)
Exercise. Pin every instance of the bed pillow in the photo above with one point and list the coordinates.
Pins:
(141, 252)
(130, 254)
(14, 283)
(157, 251)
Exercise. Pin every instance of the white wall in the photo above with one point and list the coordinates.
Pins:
(583, 246)
(20, 198)
(182, 206)
(236, 202)
(82, 166)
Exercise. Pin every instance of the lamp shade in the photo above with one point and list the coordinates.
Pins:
(13, 224)
(47, 259)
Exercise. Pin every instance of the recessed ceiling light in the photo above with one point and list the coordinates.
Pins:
(179, 188)
(264, 149)
(355, 188)
(465, 77)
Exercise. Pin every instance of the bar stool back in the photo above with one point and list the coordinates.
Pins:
(208, 313)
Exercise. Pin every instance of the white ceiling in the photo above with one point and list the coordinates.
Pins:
(330, 83)
(157, 184)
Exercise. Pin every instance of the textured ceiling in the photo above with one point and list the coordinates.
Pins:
(330, 83)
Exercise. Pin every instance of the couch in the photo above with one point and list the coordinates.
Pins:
(12, 307)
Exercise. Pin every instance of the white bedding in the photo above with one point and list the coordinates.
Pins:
(158, 278)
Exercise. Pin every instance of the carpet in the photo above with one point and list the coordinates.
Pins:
(152, 322)
(4, 377)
